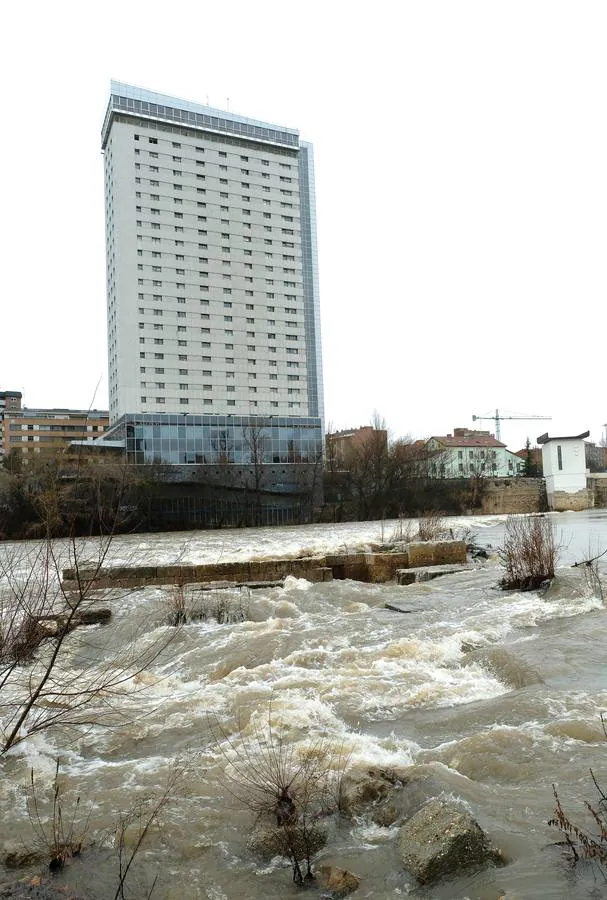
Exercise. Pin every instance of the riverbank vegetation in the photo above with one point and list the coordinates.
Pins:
(58, 675)
(49, 676)
(529, 553)
(376, 479)
(290, 789)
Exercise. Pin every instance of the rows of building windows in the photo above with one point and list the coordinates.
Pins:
(219, 439)
(193, 242)
(156, 106)
(225, 245)
(202, 139)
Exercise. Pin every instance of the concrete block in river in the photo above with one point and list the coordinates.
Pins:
(382, 567)
(378, 568)
(428, 573)
(435, 553)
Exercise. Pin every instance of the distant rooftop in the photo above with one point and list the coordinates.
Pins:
(464, 437)
(137, 101)
(59, 411)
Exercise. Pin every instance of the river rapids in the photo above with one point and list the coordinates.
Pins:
(503, 690)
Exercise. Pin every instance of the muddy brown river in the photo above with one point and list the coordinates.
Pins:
(504, 691)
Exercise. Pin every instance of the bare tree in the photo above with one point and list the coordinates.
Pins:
(479, 465)
(49, 676)
(256, 441)
(288, 787)
(373, 477)
(529, 553)
(223, 447)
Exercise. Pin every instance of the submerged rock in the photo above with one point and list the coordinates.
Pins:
(510, 670)
(37, 888)
(389, 795)
(20, 857)
(269, 840)
(441, 839)
(335, 882)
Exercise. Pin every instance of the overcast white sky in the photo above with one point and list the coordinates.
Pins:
(461, 163)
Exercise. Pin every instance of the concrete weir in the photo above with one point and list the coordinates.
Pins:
(376, 568)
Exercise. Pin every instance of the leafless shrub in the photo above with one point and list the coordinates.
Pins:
(63, 836)
(403, 533)
(582, 843)
(592, 575)
(288, 786)
(431, 527)
(38, 688)
(61, 833)
(529, 554)
(578, 842)
(465, 534)
(593, 579)
(134, 825)
(178, 612)
(222, 606)
(224, 609)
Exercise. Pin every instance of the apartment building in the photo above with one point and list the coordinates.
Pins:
(468, 453)
(345, 447)
(9, 401)
(45, 432)
(212, 284)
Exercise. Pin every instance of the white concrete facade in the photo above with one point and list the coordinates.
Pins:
(212, 282)
(466, 461)
(564, 463)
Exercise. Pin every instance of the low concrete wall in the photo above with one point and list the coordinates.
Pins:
(347, 565)
(367, 567)
(311, 568)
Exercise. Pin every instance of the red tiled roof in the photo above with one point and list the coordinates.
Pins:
(484, 440)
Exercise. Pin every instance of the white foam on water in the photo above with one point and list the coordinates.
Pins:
(373, 836)
(326, 664)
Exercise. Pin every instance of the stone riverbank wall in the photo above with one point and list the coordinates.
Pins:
(597, 484)
(510, 496)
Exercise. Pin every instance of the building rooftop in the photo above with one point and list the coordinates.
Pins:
(544, 439)
(132, 100)
(362, 430)
(60, 411)
(463, 437)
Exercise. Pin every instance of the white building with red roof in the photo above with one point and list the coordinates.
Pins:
(471, 454)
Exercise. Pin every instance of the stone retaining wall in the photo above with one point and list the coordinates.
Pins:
(513, 495)
(598, 486)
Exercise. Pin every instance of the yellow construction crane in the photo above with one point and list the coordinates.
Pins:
(497, 418)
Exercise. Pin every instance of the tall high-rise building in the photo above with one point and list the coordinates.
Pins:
(212, 286)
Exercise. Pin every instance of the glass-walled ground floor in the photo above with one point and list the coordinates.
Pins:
(241, 440)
